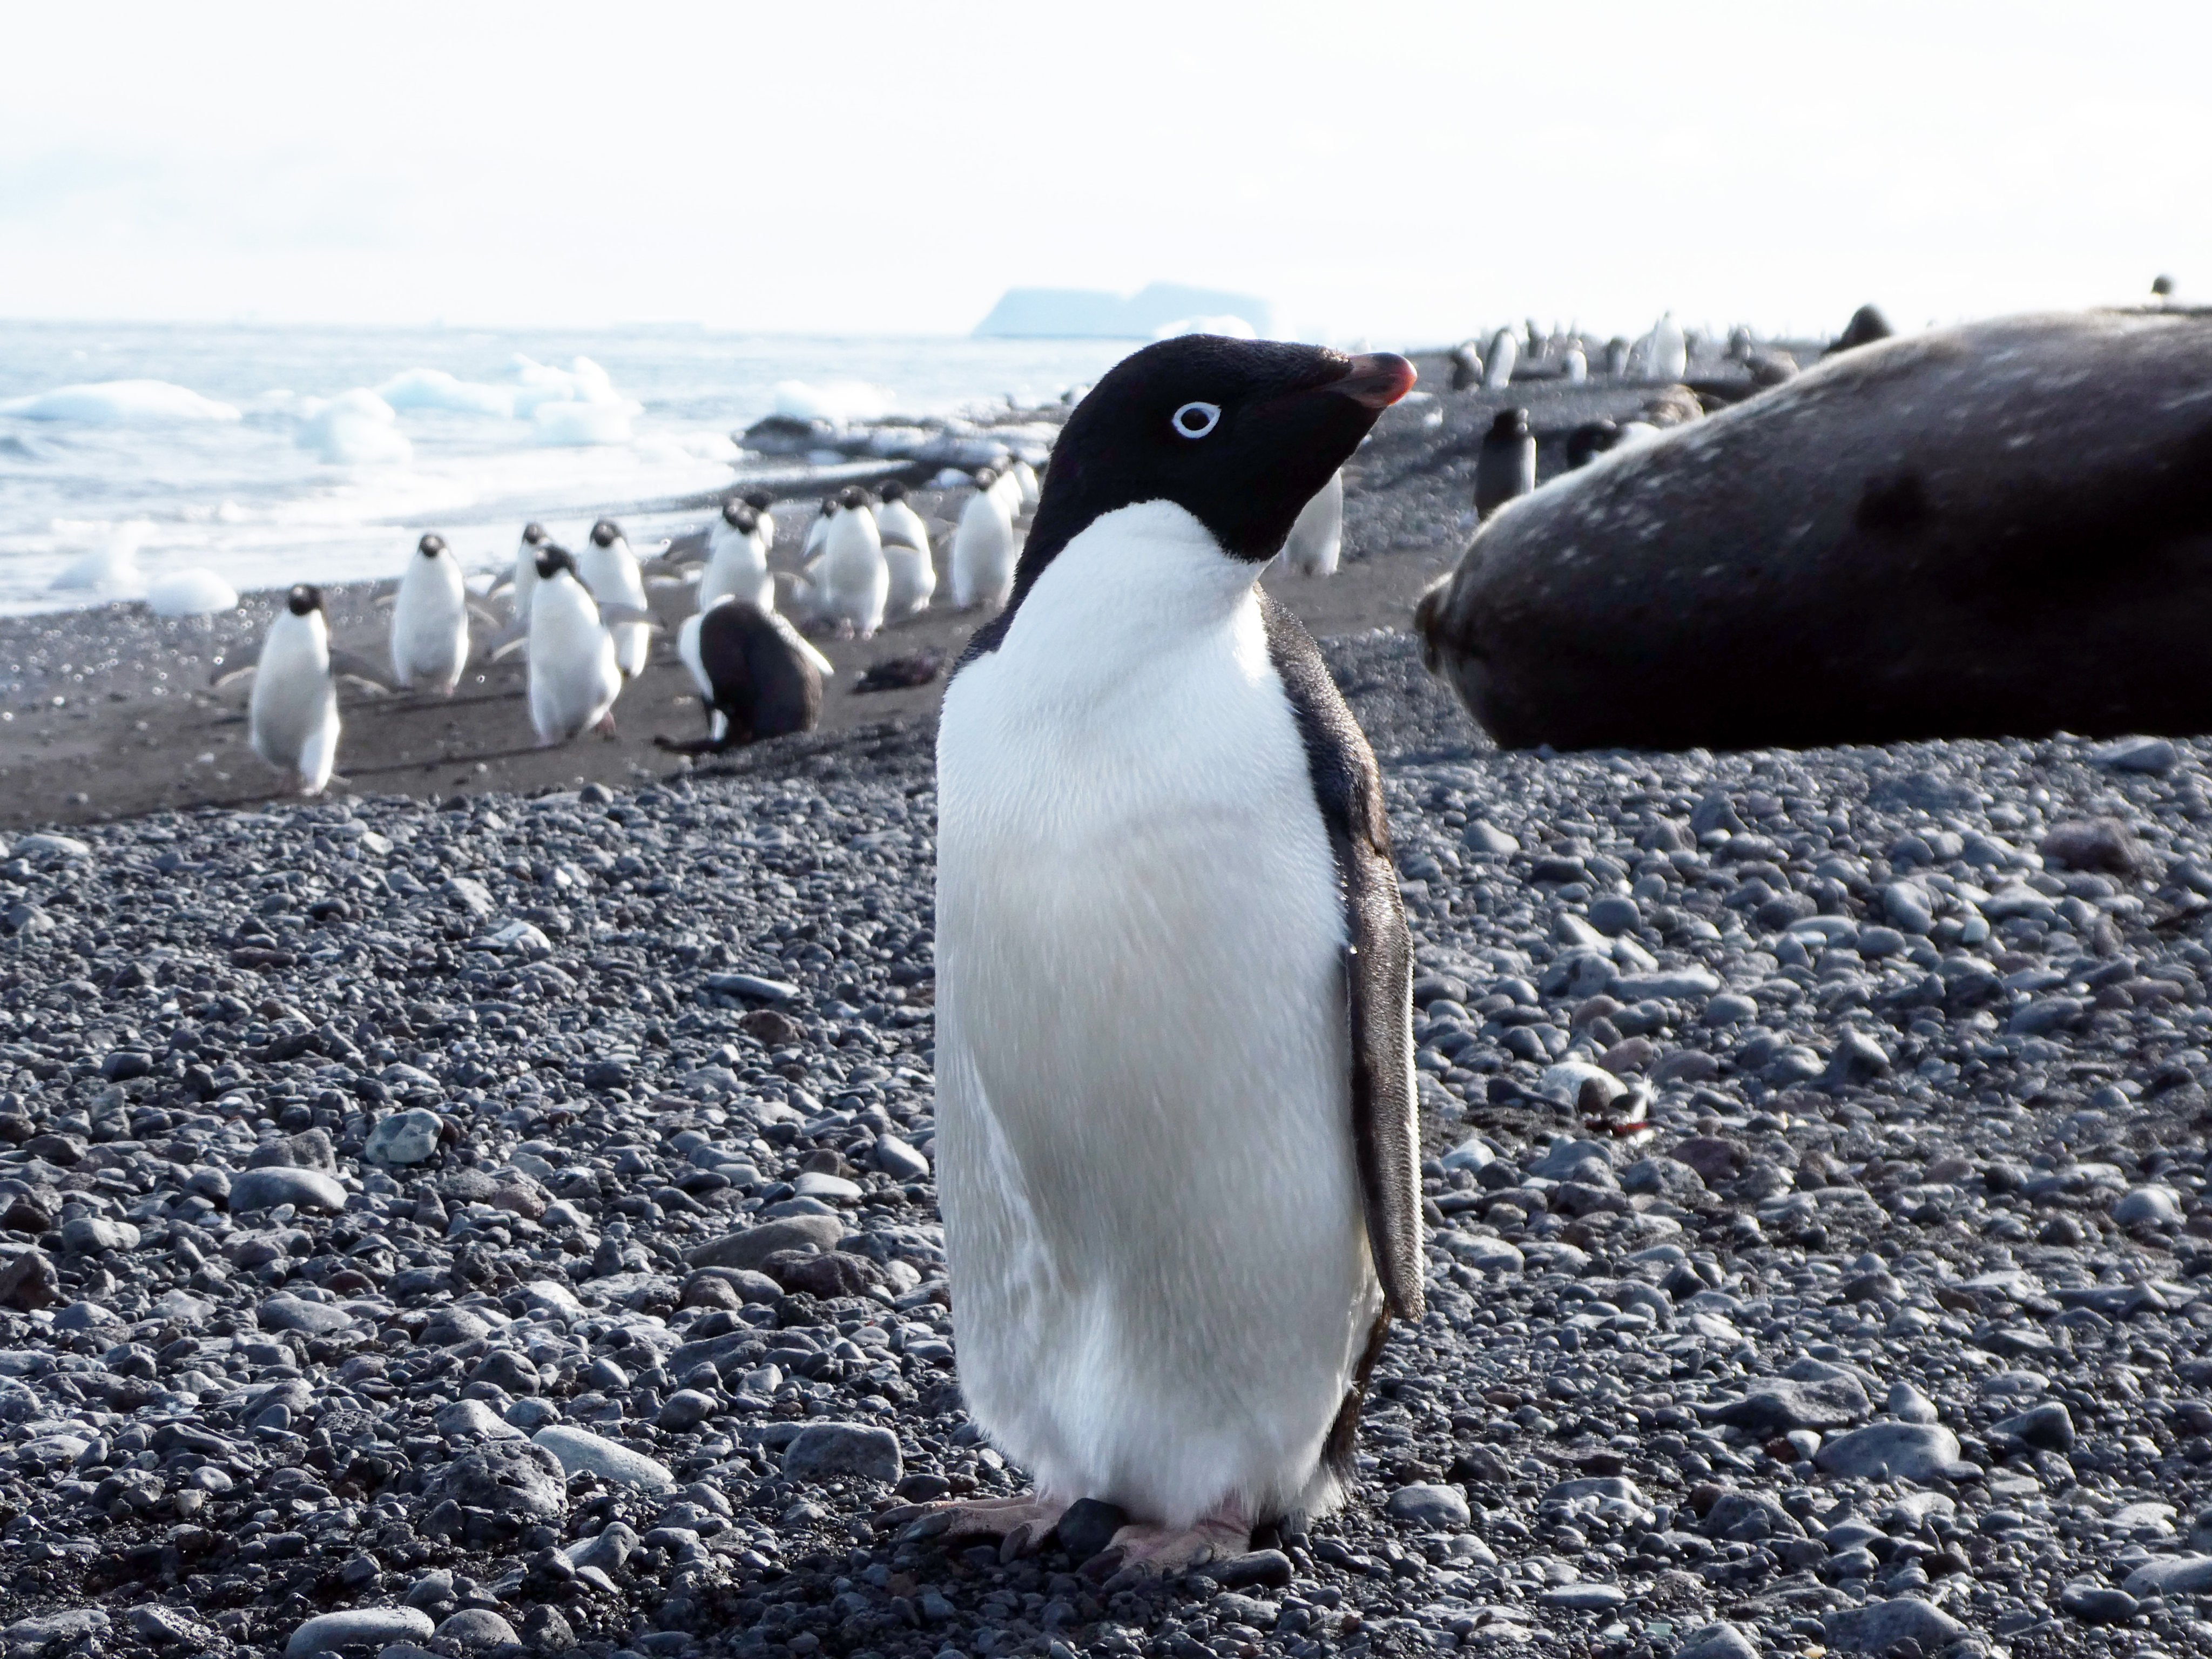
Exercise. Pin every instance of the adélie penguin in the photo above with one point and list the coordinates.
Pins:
(906, 553)
(292, 719)
(736, 560)
(574, 676)
(982, 550)
(610, 569)
(762, 503)
(854, 583)
(524, 578)
(1505, 466)
(430, 620)
(757, 676)
(1176, 1142)
(1317, 537)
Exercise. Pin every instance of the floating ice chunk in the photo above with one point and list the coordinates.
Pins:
(572, 422)
(355, 428)
(1229, 326)
(838, 401)
(433, 388)
(119, 402)
(583, 382)
(194, 591)
(110, 568)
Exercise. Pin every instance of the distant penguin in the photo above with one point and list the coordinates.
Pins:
(757, 676)
(736, 560)
(1317, 537)
(430, 620)
(1026, 482)
(574, 673)
(906, 551)
(1176, 1141)
(1667, 350)
(982, 550)
(853, 585)
(1740, 343)
(1771, 367)
(817, 528)
(1589, 441)
(1867, 326)
(1574, 367)
(292, 719)
(1466, 366)
(525, 567)
(763, 505)
(610, 569)
(1505, 353)
(1506, 467)
(1616, 356)
(1008, 494)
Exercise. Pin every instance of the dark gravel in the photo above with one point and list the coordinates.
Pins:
(1818, 1253)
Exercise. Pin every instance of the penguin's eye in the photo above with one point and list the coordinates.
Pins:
(1196, 420)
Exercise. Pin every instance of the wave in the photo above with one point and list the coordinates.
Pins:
(120, 403)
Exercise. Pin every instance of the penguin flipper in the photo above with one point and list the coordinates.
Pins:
(484, 615)
(612, 613)
(513, 637)
(231, 676)
(345, 665)
(1378, 958)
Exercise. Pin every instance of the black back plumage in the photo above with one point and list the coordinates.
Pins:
(764, 686)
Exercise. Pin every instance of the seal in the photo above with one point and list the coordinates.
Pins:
(1999, 528)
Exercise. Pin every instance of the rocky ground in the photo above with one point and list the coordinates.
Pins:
(510, 1225)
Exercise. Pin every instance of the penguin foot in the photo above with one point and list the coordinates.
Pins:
(1021, 1524)
(1140, 1551)
(606, 726)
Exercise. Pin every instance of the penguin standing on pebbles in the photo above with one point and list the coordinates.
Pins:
(292, 719)
(525, 576)
(430, 620)
(906, 551)
(982, 550)
(610, 569)
(1506, 465)
(736, 560)
(1177, 1143)
(854, 583)
(574, 676)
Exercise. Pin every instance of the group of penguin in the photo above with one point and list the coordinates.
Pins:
(584, 621)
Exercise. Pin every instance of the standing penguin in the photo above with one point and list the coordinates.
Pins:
(1025, 483)
(574, 676)
(736, 560)
(610, 569)
(292, 719)
(1506, 466)
(1317, 537)
(818, 529)
(1616, 356)
(757, 675)
(430, 620)
(1176, 1141)
(1667, 350)
(1467, 365)
(1505, 353)
(1008, 494)
(1574, 366)
(982, 550)
(853, 584)
(906, 551)
(524, 579)
(762, 504)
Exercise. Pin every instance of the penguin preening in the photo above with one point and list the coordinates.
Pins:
(575, 675)
(1176, 1144)
(854, 583)
(1317, 538)
(736, 560)
(757, 677)
(430, 620)
(982, 550)
(610, 569)
(1506, 465)
(906, 553)
(292, 719)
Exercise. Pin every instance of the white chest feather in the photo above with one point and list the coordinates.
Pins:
(1152, 1212)
(293, 715)
(430, 622)
(573, 676)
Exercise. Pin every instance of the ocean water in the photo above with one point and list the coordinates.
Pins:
(133, 452)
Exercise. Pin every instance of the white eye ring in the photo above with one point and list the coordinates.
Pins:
(1196, 420)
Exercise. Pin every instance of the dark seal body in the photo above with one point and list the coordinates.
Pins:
(2001, 529)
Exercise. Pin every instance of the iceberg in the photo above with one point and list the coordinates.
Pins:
(838, 402)
(195, 590)
(111, 568)
(119, 402)
(1071, 313)
(433, 388)
(355, 428)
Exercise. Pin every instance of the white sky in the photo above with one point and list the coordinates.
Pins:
(1405, 171)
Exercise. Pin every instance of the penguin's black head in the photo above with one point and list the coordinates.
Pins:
(852, 498)
(553, 559)
(893, 491)
(759, 500)
(739, 516)
(985, 477)
(1510, 423)
(1590, 440)
(303, 600)
(2161, 286)
(605, 533)
(1241, 433)
(829, 507)
(533, 535)
(431, 546)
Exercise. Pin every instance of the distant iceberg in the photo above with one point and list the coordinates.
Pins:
(119, 402)
(1075, 313)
